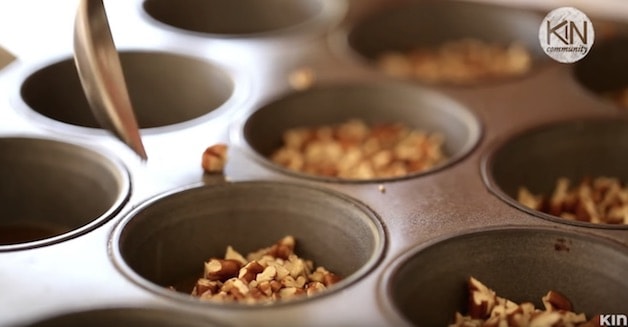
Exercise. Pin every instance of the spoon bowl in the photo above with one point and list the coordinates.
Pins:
(101, 75)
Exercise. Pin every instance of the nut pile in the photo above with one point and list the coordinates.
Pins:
(459, 62)
(355, 150)
(486, 309)
(264, 276)
(601, 200)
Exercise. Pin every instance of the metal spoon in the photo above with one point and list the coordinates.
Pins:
(101, 75)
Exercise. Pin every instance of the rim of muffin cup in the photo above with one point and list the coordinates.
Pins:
(169, 91)
(271, 20)
(58, 173)
(124, 316)
(359, 220)
(372, 102)
(506, 191)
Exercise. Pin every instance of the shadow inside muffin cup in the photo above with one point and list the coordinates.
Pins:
(136, 317)
(574, 149)
(431, 24)
(165, 89)
(604, 70)
(373, 103)
(52, 190)
(237, 18)
(165, 241)
(428, 285)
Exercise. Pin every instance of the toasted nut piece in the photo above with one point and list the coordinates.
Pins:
(556, 301)
(265, 288)
(302, 78)
(314, 287)
(330, 279)
(204, 285)
(232, 254)
(270, 288)
(481, 299)
(395, 64)
(235, 284)
(289, 158)
(618, 215)
(214, 158)
(256, 294)
(288, 281)
(352, 132)
(301, 281)
(322, 275)
(526, 198)
(503, 310)
(282, 271)
(249, 272)
(318, 275)
(267, 275)
(560, 195)
(265, 260)
(288, 292)
(295, 266)
(275, 285)
(283, 249)
(257, 255)
(521, 315)
(221, 269)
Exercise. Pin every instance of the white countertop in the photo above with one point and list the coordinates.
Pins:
(34, 28)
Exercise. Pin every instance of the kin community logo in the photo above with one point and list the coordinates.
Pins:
(615, 320)
(566, 34)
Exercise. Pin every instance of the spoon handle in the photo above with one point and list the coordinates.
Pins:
(101, 75)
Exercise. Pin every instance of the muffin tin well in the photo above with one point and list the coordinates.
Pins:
(373, 103)
(583, 268)
(165, 89)
(166, 241)
(402, 27)
(207, 72)
(573, 149)
(53, 190)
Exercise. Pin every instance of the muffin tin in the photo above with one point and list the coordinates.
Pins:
(405, 246)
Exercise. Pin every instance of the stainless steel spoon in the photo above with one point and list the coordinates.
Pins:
(101, 75)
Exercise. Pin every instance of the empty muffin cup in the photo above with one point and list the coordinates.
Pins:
(428, 285)
(137, 317)
(241, 17)
(373, 103)
(575, 150)
(165, 241)
(434, 41)
(165, 89)
(53, 190)
(604, 71)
